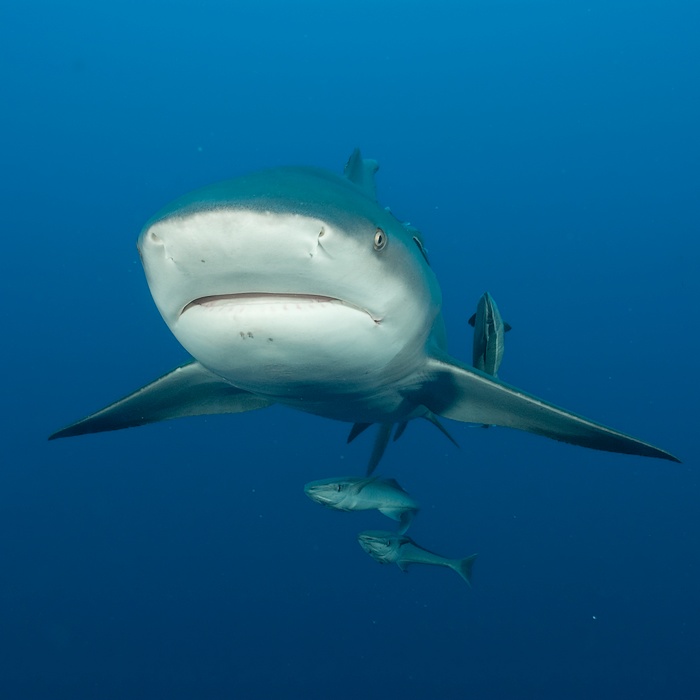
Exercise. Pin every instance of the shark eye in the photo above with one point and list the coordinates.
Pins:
(338, 487)
(380, 239)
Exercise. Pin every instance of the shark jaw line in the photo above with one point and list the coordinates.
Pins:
(268, 298)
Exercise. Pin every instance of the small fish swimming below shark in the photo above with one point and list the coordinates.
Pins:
(489, 336)
(365, 493)
(391, 548)
(294, 286)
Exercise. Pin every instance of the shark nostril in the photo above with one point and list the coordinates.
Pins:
(319, 243)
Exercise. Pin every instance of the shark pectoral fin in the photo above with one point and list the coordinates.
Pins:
(403, 565)
(472, 320)
(403, 516)
(462, 393)
(393, 513)
(405, 519)
(507, 327)
(189, 390)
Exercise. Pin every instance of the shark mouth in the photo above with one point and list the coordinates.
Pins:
(267, 298)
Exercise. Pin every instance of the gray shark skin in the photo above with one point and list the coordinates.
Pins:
(489, 336)
(391, 548)
(365, 493)
(294, 286)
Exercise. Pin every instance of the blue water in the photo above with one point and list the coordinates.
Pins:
(549, 152)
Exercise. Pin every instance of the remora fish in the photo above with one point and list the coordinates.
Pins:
(365, 493)
(388, 548)
(489, 336)
(294, 286)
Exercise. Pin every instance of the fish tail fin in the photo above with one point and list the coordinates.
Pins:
(464, 568)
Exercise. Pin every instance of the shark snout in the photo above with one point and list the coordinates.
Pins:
(149, 240)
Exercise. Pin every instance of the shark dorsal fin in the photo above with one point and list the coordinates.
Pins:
(361, 172)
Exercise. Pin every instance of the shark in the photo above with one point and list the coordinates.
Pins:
(294, 286)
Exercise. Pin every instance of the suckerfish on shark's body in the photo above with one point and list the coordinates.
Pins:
(294, 286)
(391, 548)
(489, 336)
(365, 493)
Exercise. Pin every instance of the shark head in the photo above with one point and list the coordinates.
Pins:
(288, 279)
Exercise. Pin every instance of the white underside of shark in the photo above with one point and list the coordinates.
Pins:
(294, 286)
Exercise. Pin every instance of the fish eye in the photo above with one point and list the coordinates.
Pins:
(380, 240)
(419, 243)
(338, 487)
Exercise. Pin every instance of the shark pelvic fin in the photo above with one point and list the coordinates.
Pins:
(380, 443)
(457, 391)
(399, 429)
(432, 418)
(189, 390)
(357, 429)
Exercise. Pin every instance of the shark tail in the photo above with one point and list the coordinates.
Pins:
(464, 568)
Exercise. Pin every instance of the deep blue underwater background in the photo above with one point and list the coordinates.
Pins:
(549, 152)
